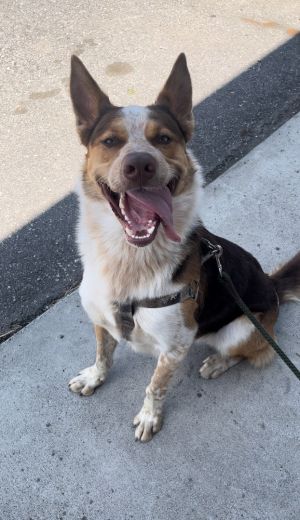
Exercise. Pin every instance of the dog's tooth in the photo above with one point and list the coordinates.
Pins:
(150, 230)
(121, 201)
(129, 232)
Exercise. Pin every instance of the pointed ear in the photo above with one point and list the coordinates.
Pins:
(176, 95)
(87, 98)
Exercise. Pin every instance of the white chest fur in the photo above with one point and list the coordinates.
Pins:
(156, 330)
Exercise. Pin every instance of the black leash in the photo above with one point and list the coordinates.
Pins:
(216, 251)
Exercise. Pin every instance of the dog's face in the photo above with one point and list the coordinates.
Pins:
(136, 156)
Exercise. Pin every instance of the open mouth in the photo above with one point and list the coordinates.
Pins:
(141, 211)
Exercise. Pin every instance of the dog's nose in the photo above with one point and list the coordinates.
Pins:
(139, 166)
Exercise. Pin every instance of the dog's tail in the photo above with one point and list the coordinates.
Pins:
(287, 280)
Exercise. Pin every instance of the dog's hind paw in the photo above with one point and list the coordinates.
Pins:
(87, 380)
(147, 424)
(215, 365)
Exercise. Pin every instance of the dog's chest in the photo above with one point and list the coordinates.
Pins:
(154, 330)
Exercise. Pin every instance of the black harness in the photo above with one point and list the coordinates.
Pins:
(125, 311)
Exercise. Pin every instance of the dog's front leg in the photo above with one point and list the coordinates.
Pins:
(95, 375)
(149, 420)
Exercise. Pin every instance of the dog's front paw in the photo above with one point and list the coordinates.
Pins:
(147, 424)
(87, 380)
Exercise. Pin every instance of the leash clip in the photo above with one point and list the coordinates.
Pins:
(214, 251)
(218, 254)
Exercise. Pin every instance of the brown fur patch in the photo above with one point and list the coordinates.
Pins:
(99, 157)
(256, 350)
(175, 152)
(188, 272)
(106, 345)
(165, 368)
(188, 311)
(111, 123)
(160, 120)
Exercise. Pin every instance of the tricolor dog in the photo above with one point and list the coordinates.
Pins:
(143, 245)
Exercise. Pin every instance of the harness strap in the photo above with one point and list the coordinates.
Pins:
(124, 311)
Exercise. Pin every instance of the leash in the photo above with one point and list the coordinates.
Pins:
(216, 251)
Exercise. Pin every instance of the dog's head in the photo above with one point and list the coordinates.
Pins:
(136, 156)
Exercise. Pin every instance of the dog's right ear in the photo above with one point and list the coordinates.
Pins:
(87, 98)
(176, 95)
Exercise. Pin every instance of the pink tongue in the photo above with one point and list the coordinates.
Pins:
(143, 204)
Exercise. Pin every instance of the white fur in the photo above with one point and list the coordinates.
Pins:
(135, 119)
(229, 336)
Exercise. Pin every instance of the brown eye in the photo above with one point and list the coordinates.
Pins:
(163, 139)
(110, 142)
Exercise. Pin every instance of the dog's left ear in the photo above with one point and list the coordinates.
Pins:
(176, 95)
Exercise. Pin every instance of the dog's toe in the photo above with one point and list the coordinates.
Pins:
(147, 425)
(87, 381)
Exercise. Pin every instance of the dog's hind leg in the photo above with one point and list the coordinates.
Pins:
(95, 375)
(237, 341)
(149, 420)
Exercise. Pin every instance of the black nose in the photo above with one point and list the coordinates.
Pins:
(139, 166)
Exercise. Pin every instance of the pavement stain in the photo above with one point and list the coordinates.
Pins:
(21, 109)
(36, 96)
(292, 31)
(45, 94)
(119, 68)
(271, 24)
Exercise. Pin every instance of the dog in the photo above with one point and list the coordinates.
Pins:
(148, 276)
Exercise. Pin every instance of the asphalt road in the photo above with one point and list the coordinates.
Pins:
(245, 66)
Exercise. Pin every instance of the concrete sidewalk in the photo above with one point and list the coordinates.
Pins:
(229, 448)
